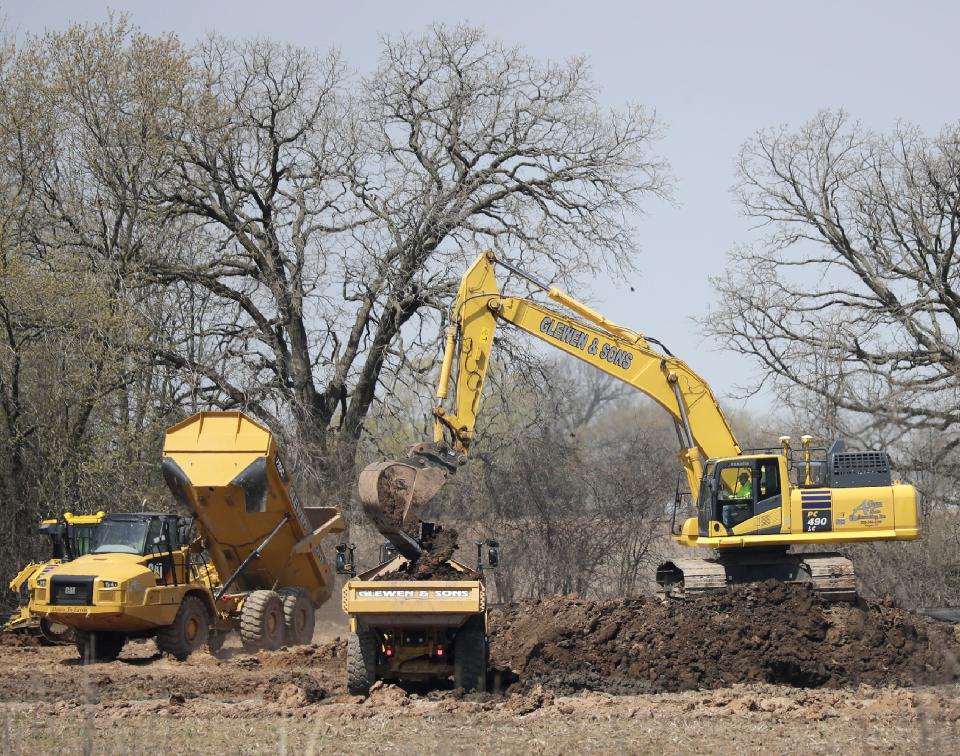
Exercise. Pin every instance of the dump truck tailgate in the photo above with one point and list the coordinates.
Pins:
(413, 602)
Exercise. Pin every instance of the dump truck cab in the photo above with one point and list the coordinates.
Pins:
(140, 533)
(72, 535)
(132, 580)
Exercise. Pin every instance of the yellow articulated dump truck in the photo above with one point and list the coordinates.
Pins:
(69, 537)
(417, 629)
(245, 558)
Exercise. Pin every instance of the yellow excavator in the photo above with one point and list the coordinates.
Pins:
(751, 506)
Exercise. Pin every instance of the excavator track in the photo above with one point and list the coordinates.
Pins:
(831, 575)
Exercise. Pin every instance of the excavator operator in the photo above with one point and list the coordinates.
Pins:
(745, 489)
(739, 509)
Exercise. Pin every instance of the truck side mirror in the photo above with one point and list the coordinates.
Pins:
(493, 553)
(346, 565)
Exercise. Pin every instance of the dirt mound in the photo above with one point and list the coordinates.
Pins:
(765, 633)
(438, 549)
(303, 657)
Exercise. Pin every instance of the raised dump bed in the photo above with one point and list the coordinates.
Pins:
(227, 471)
(257, 567)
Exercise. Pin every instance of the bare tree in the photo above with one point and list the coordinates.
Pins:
(79, 148)
(338, 214)
(854, 294)
(851, 304)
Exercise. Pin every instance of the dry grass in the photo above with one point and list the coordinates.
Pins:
(404, 732)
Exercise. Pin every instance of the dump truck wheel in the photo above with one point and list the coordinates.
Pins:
(189, 631)
(99, 647)
(299, 616)
(55, 633)
(361, 661)
(261, 621)
(470, 655)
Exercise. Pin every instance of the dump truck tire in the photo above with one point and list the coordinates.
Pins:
(470, 655)
(56, 634)
(189, 631)
(299, 616)
(99, 647)
(261, 621)
(361, 661)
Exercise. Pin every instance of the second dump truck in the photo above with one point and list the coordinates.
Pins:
(402, 629)
(255, 567)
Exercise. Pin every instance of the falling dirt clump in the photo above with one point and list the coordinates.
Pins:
(433, 562)
(393, 499)
(762, 633)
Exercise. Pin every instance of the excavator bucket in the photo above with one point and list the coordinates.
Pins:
(392, 492)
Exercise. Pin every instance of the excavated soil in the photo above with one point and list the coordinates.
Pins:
(765, 633)
(432, 564)
(777, 670)
(392, 499)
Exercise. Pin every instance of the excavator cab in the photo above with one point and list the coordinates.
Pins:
(737, 494)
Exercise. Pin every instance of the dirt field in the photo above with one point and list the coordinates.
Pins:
(568, 655)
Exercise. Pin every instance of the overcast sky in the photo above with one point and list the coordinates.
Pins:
(716, 72)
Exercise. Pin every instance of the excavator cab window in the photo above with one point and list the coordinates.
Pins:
(735, 492)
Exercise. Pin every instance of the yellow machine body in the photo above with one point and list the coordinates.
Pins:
(809, 514)
(414, 622)
(231, 476)
(848, 500)
(256, 538)
(79, 531)
(127, 593)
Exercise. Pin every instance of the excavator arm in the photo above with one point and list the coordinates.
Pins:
(391, 492)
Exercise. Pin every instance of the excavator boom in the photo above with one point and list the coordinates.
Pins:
(392, 492)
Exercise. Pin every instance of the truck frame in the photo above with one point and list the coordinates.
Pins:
(417, 630)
